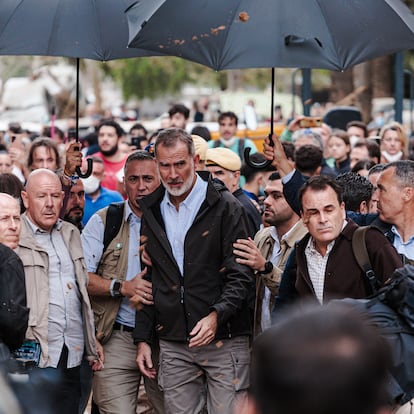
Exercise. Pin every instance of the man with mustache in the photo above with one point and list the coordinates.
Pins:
(75, 205)
(61, 319)
(109, 137)
(200, 307)
(326, 267)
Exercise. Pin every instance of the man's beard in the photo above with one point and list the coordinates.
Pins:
(110, 152)
(186, 186)
(75, 220)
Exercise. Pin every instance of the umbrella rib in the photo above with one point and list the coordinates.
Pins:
(99, 35)
(54, 27)
(10, 17)
(218, 64)
(330, 34)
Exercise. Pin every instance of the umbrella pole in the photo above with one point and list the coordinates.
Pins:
(272, 100)
(77, 100)
(264, 164)
(89, 161)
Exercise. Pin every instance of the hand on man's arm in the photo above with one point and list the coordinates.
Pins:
(248, 254)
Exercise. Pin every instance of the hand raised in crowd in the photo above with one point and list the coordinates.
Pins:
(277, 155)
(294, 124)
(73, 158)
(204, 331)
(144, 360)
(248, 254)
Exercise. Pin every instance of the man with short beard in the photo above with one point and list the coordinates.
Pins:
(268, 253)
(200, 308)
(75, 205)
(109, 135)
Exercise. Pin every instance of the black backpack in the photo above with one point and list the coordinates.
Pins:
(114, 217)
(240, 148)
(391, 309)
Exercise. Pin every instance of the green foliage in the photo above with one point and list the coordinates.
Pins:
(150, 77)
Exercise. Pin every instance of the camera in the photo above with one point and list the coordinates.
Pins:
(310, 122)
(136, 141)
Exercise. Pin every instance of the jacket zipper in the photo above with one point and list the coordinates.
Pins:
(184, 309)
(182, 294)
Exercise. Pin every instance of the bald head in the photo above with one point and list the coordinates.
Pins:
(7, 198)
(43, 198)
(9, 220)
(41, 174)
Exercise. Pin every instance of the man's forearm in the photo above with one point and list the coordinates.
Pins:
(98, 286)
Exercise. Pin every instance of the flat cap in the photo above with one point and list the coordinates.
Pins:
(224, 158)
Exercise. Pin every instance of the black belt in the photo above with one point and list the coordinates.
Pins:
(122, 328)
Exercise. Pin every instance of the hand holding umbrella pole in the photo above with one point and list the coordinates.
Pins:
(89, 161)
(264, 164)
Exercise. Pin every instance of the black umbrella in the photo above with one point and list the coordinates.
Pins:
(91, 29)
(230, 34)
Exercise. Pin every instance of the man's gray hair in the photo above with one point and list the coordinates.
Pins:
(169, 137)
(305, 133)
(139, 155)
(404, 171)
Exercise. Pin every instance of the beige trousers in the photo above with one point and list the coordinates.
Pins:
(115, 387)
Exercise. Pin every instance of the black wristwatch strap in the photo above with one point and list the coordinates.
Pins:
(115, 289)
(268, 268)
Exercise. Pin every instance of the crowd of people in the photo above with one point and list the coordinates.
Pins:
(178, 265)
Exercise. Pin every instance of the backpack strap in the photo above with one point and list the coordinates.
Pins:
(114, 217)
(216, 143)
(241, 148)
(360, 251)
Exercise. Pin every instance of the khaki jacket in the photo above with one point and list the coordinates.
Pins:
(113, 265)
(265, 243)
(36, 267)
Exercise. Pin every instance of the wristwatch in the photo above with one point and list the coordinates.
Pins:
(115, 288)
(267, 268)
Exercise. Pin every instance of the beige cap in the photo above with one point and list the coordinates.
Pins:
(224, 158)
(200, 145)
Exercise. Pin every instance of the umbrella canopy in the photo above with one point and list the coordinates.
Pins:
(230, 34)
(234, 34)
(92, 29)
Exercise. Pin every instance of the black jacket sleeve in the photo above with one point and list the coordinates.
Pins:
(291, 190)
(14, 315)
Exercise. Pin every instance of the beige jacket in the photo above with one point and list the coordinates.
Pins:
(265, 243)
(36, 267)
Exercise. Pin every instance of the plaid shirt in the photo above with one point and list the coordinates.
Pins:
(317, 265)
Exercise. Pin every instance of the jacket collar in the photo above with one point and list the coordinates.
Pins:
(346, 233)
(156, 197)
